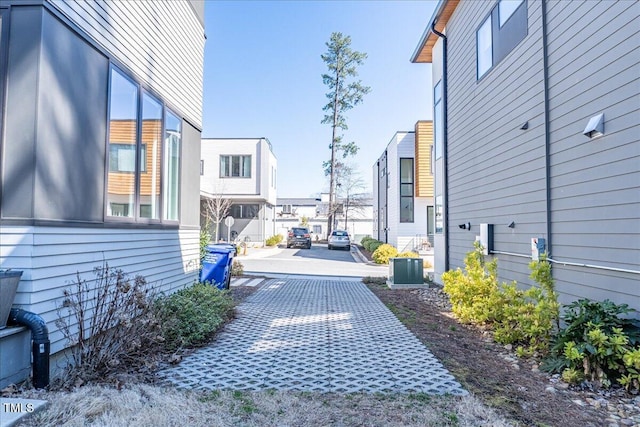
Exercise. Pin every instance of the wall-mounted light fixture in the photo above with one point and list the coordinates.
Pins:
(465, 226)
(595, 127)
(525, 126)
(512, 225)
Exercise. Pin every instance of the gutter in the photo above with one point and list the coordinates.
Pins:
(547, 131)
(445, 140)
(41, 347)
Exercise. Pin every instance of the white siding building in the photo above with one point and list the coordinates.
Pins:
(358, 220)
(402, 218)
(245, 171)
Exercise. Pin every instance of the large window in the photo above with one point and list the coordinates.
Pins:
(406, 190)
(235, 166)
(244, 211)
(123, 138)
(500, 33)
(141, 173)
(172, 141)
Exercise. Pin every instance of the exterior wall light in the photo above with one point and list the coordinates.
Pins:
(465, 226)
(595, 127)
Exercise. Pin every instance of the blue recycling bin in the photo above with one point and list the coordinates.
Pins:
(216, 266)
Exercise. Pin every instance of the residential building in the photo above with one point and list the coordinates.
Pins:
(537, 124)
(404, 213)
(355, 216)
(243, 170)
(100, 118)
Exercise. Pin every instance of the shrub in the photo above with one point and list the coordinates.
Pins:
(273, 240)
(237, 269)
(366, 239)
(529, 317)
(408, 254)
(598, 344)
(383, 252)
(523, 317)
(109, 323)
(372, 245)
(474, 293)
(381, 280)
(192, 315)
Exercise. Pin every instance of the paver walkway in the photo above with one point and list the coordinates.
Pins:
(314, 335)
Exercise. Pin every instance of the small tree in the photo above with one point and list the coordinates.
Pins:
(215, 207)
(342, 64)
(350, 190)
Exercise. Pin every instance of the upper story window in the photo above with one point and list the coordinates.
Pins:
(286, 209)
(235, 166)
(406, 189)
(140, 174)
(438, 120)
(504, 28)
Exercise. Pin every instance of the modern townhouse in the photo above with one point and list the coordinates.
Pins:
(243, 170)
(100, 122)
(403, 205)
(537, 136)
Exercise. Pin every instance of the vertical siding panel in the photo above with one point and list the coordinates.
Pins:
(596, 182)
(496, 170)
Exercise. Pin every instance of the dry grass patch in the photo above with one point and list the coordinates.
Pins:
(145, 405)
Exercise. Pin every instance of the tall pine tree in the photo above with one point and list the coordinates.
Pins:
(345, 92)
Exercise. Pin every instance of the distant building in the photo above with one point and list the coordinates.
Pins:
(355, 216)
(243, 170)
(537, 124)
(403, 205)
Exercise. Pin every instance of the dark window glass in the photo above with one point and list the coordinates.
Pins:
(406, 189)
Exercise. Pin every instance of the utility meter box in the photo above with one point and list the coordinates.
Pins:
(538, 246)
(406, 272)
(486, 238)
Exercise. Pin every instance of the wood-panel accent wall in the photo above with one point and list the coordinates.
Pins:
(424, 142)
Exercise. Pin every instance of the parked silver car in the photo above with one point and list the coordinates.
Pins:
(339, 239)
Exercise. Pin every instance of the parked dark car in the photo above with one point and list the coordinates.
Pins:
(299, 236)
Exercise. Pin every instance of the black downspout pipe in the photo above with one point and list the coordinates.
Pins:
(547, 134)
(41, 346)
(445, 143)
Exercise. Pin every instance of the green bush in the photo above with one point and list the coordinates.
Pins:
(383, 252)
(273, 240)
(408, 254)
(597, 344)
(526, 318)
(474, 293)
(192, 315)
(366, 239)
(372, 245)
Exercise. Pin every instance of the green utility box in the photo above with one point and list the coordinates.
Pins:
(405, 273)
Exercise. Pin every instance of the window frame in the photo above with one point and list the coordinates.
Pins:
(4, 52)
(406, 185)
(241, 165)
(504, 36)
(140, 148)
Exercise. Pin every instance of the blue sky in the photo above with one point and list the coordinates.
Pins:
(263, 78)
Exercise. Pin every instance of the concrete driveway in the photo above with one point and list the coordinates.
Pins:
(319, 334)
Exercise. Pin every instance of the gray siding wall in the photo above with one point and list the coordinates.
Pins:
(161, 42)
(21, 109)
(595, 183)
(496, 170)
(71, 126)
